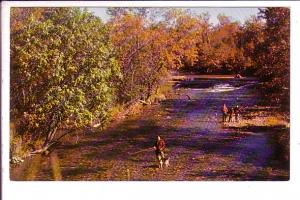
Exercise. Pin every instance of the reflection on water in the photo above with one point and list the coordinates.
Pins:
(33, 168)
(54, 160)
(26, 170)
(30, 169)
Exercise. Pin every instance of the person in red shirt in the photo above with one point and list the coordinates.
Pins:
(224, 112)
(159, 147)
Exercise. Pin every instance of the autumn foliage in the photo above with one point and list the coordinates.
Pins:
(147, 49)
(69, 69)
(273, 55)
(63, 70)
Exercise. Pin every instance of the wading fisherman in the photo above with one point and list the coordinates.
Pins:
(224, 112)
(236, 110)
(231, 113)
(159, 147)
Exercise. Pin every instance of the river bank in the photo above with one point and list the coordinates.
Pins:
(199, 145)
(270, 120)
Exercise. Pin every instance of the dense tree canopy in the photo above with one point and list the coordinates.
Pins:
(273, 54)
(68, 68)
(145, 49)
(62, 71)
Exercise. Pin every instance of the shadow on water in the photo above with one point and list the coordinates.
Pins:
(81, 170)
(190, 123)
(255, 145)
(151, 166)
(239, 175)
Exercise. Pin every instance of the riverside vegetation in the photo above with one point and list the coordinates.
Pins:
(70, 71)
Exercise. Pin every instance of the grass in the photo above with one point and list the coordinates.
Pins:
(267, 121)
(120, 111)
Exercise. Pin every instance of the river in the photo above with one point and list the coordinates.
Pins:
(199, 146)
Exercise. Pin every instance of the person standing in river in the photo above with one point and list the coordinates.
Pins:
(224, 112)
(230, 113)
(159, 147)
(236, 110)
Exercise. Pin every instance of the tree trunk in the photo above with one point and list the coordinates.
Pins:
(50, 134)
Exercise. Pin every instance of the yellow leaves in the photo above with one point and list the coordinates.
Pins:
(66, 64)
(173, 39)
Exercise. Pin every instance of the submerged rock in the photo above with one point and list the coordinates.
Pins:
(16, 160)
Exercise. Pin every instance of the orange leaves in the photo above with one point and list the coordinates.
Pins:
(145, 47)
(174, 37)
(184, 31)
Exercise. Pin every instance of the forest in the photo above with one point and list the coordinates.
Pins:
(70, 70)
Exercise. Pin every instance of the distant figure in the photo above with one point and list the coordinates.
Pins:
(159, 147)
(236, 110)
(189, 98)
(238, 76)
(224, 112)
(230, 113)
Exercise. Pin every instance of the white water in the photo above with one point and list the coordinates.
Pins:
(216, 88)
(221, 88)
(224, 87)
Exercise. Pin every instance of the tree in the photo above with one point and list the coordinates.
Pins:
(147, 48)
(218, 50)
(249, 37)
(63, 71)
(183, 31)
(273, 55)
(132, 40)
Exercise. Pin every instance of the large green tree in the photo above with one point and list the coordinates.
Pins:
(63, 71)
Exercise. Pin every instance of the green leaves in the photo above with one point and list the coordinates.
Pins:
(65, 66)
(273, 54)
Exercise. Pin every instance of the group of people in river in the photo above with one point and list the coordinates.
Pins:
(231, 113)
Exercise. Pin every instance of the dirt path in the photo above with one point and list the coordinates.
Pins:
(200, 147)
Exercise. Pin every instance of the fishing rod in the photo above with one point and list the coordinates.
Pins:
(144, 150)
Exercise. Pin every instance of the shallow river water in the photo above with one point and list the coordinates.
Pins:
(200, 147)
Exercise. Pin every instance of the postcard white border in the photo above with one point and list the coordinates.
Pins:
(154, 190)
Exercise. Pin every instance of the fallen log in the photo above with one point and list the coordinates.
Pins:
(144, 102)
